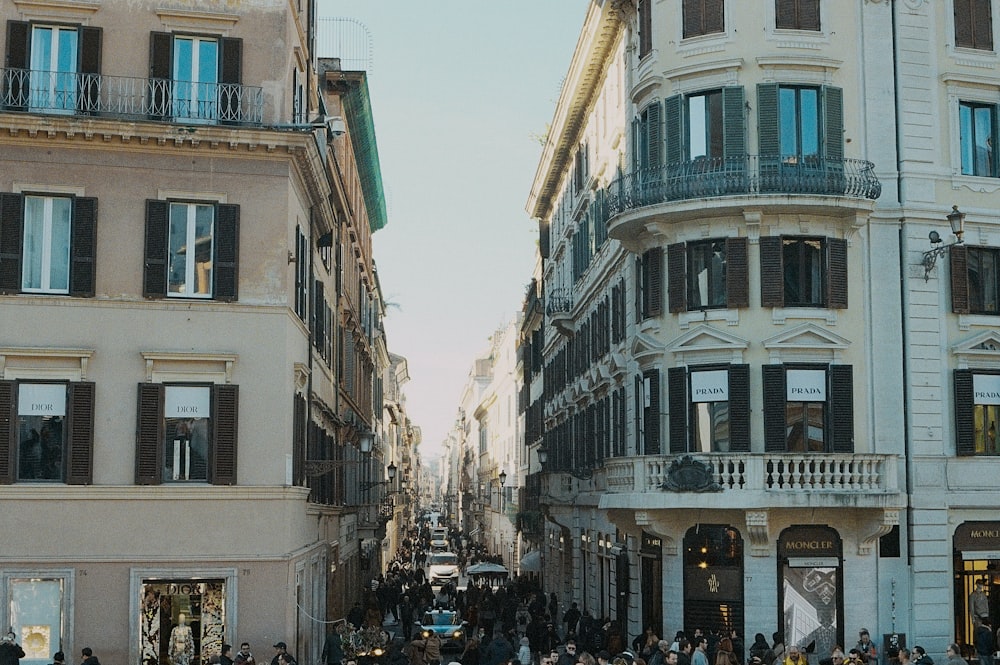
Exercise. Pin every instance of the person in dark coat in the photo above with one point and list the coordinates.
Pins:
(88, 657)
(10, 651)
(498, 651)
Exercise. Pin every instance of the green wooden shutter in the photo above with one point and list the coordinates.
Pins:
(673, 114)
(654, 281)
(225, 420)
(739, 408)
(958, 264)
(733, 123)
(227, 253)
(833, 123)
(654, 133)
(768, 130)
(677, 400)
(83, 248)
(676, 277)
(836, 283)
(161, 72)
(230, 74)
(737, 273)
(90, 67)
(8, 431)
(11, 241)
(154, 279)
(652, 415)
(17, 57)
(841, 403)
(775, 425)
(772, 281)
(965, 428)
(80, 433)
(149, 435)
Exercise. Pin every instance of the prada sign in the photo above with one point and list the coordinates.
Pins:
(986, 388)
(805, 385)
(711, 386)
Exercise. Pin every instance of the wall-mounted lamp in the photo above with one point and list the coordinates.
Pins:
(580, 474)
(956, 218)
(391, 470)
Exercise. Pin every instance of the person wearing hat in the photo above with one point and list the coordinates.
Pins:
(58, 658)
(281, 649)
(10, 651)
(524, 651)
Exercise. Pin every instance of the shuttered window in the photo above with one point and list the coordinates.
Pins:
(645, 27)
(975, 279)
(819, 417)
(652, 282)
(977, 122)
(703, 17)
(61, 62)
(709, 408)
(799, 127)
(796, 14)
(707, 274)
(707, 125)
(974, 24)
(650, 390)
(977, 412)
(803, 272)
(206, 93)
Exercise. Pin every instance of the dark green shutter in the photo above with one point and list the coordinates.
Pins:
(154, 278)
(673, 115)
(739, 408)
(677, 399)
(769, 135)
(654, 281)
(965, 408)
(83, 248)
(90, 68)
(775, 426)
(8, 431)
(737, 273)
(733, 124)
(11, 241)
(958, 264)
(149, 434)
(80, 433)
(836, 283)
(841, 403)
(833, 123)
(676, 277)
(543, 238)
(654, 133)
(652, 415)
(17, 58)
(227, 252)
(225, 417)
(230, 75)
(772, 276)
(161, 72)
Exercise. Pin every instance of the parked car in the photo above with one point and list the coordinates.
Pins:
(448, 625)
(442, 567)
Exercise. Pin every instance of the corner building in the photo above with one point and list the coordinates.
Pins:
(760, 403)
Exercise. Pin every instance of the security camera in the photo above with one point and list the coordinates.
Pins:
(335, 125)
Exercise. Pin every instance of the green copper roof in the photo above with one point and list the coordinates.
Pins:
(357, 106)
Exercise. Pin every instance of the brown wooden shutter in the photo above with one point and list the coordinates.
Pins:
(785, 15)
(836, 283)
(225, 417)
(17, 57)
(80, 433)
(8, 431)
(963, 23)
(645, 12)
(11, 241)
(230, 74)
(958, 264)
(652, 423)
(841, 403)
(775, 425)
(154, 279)
(227, 252)
(772, 283)
(965, 408)
(543, 238)
(673, 129)
(677, 398)
(739, 408)
(90, 68)
(149, 434)
(654, 282)
(676, 277)
(299, 437)
(161, 71)
(737, 273)
(691, 15)
(715, 16)
(83, 248)
(983, 23)
(809, 15)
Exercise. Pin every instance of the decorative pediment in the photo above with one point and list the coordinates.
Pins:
(806, 342)
(982, 350)
(705, 341)
(646, 349)
(618, 365)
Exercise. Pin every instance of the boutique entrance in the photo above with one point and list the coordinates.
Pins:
(182, 621)
(713, 579)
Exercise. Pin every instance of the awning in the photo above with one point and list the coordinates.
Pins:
(531, 562)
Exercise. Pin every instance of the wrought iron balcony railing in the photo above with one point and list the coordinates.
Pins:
(560, 301)
(750, 175)
(167, 100)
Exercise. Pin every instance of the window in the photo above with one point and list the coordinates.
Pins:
(191, 250)
(38, 608)
(195, 78)
(47, 244)
(977, 412)
(647, 393)
(975, 279)
(51, 68)
(703, 17)
(800, 124)
(187, 433)
(709, 409)
(707, 274)
(645, 27)
(650, 286)
(796, 14)
(647, 135)
(974, 24)
(808, 408)
(978, 134)
(51, 437)
(704, 135)
(803, 272)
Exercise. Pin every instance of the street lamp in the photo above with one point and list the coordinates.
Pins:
(502, 477)
(391, 470)
(580, 474)
(956, 219)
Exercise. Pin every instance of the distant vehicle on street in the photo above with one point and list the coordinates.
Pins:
(442, 567)
(439, 539)
(448, 625)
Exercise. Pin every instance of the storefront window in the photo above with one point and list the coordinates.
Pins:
(713, 578)
(811, 569)
(41, 409)
(188, 412)
(182, 621)
(36, 611)
(977, 578)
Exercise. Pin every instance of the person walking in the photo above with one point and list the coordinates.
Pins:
(58, 658)
(954, 655)
(281, 649)
(700, 654)
(982, 638)
(333, 647)
(88, 657)
(571, 618)
(244, 656)
(10, 651)
(226, 656)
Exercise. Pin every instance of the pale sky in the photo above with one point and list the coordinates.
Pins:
(461, 90)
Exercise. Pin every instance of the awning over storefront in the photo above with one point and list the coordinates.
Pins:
(531, 562)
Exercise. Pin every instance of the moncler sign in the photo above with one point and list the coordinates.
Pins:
(986, 388)
(805, 385)
(710, 386)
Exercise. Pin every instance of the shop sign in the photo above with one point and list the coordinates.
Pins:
(712, 386)
(986, 388)
(41, 399)
(187, 402)
(813, 562)
(805, 385)
(714, 583)
(651, 544)
(810, 543)
(981, 537)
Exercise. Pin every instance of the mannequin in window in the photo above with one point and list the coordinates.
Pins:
(181, 649)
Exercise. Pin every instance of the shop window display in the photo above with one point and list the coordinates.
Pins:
(36, 617)
(183, 622)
